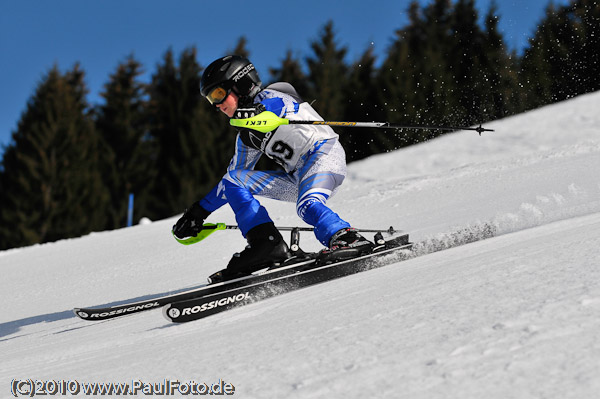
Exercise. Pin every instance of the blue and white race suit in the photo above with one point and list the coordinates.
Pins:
(313, 160)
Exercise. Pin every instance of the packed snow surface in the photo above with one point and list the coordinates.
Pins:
(501, 300)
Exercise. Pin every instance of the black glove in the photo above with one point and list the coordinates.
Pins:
(190, 224)
(249, 111)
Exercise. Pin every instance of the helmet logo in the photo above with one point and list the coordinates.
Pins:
(243, 72)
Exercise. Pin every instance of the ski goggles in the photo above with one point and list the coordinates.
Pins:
(217, 95)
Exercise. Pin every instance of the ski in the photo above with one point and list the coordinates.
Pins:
(210, 304)
(294, 265)
(104, 313)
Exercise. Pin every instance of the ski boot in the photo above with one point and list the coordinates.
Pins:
(266, 248)
(345, 244)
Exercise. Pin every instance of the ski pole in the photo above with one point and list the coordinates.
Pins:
(267, 121)
(209, 228)
(389, 230)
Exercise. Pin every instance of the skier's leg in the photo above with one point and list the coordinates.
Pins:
(312, 209)
(266, 246)
(321, 177)
(321, 173)
(242, 185)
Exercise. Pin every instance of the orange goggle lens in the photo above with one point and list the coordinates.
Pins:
(217, 95)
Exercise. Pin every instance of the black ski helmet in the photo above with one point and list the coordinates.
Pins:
(232, 73)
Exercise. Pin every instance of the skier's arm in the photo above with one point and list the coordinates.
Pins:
(272, 101)
(190, 224)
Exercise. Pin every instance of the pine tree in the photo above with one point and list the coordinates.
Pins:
(122, 123)
(395, 79)
(189, 136)
(327, 75)
(563, 58)
(546, 61)
(51, 183)
(362, 104)
(500, 69)
(432, 58)
(586, 54)
(291, 72)
(240, 48)
(466, 64)
(416, 86)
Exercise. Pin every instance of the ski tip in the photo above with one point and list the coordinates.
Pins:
(79, 312)
(170, 313)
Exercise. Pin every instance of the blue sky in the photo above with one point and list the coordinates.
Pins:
(36, 34)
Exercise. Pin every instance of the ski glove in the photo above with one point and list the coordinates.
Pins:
(190, 224)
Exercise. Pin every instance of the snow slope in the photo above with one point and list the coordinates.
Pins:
(512, 316)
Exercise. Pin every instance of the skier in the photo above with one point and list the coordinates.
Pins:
(314, 166)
